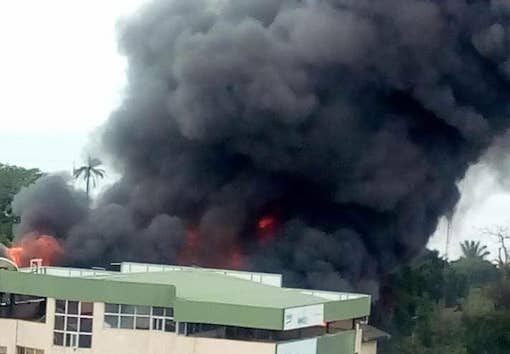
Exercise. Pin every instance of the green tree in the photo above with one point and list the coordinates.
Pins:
(12, 179)
(90, 173)
(473, 319)
(473, 250)
(474, 266)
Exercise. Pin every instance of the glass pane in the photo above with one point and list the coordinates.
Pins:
(169, 312)
(182, 328)
(157, 324)
(60, 306)
(59, 322)
(127, 322)
(158, 311)
(86, 325)
(29, 351)
(72, 307)
(87, 308)
(111, 308)
(85, 341)
(191, 328)
(58, 338)
(39, 351)
(170, 326)
(142, 322)
(70, 340)
(111, 321)
(143, 310)
(19, 350)
(72, 324)
(128, 309)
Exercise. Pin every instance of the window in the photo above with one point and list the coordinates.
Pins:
(23, 307)
(3, 350)
(73, 324)
(23, 350)
(163, 319)
(139, 317)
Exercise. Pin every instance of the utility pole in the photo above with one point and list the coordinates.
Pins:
(449, 218)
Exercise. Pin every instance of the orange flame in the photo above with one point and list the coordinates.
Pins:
(33, 246)
(15, 254)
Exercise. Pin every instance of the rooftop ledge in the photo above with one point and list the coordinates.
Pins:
(202, 295)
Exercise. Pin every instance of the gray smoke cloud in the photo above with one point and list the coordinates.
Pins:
(498, 160)
(348, 122)
(49, 206)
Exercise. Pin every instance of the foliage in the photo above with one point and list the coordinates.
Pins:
(436, 307)
(12, 179)
(90, 173)
(473, 250)
(488, 333)
(500, 294)
(479, 272)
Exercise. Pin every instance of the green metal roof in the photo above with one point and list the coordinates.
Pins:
(215, 288)
(196, 295)
(84, 289)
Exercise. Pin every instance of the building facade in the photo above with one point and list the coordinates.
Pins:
(144, 308)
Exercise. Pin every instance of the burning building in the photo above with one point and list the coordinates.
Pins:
(172, 309)
(321, 139)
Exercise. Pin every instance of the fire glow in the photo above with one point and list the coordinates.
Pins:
(266, 223)
(265, 229)
(194, 250)
(32, 246)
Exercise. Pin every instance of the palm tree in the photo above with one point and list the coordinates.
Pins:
(89, 172)
(473, 250)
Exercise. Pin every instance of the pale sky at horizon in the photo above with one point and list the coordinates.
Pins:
(61, 76)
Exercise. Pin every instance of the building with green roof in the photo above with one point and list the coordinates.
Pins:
(171, 309)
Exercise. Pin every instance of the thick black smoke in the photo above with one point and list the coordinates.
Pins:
(347, 121)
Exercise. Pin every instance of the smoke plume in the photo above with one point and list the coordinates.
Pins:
(347, 123)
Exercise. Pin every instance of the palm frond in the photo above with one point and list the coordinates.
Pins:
(98, 172)
(77, 172)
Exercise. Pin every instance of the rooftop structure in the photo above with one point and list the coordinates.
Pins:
(171, 309)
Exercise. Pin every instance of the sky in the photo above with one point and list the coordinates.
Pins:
(61, 76)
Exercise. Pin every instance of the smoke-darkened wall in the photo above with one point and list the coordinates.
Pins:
(344, 125)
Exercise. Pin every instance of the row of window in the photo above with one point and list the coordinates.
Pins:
(24, 350)
(139, 317)
(74, 320)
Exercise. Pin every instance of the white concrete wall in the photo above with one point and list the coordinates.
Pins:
(116, 341)
(26, 334)
(8, 335)
(264, 278)
(369, 348)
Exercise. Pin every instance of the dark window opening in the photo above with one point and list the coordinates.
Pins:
(23, 307)
(247, 334)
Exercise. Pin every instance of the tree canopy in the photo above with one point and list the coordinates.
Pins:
(12, 179)
(473, 250)
(435, 306)
(90, 172)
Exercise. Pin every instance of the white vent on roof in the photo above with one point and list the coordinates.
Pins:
(36, 265)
